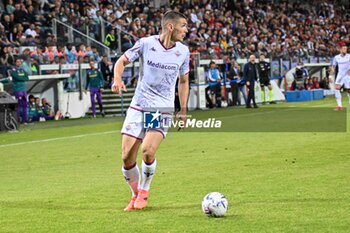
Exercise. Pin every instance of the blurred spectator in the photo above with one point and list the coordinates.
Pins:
(6, 56)
(110, 40)
(315, 83)
(19, 77)
(250, 74)
(70, 54)
(324, 84)
(106, 71)
(214, 82)
(39, 110)
(47, 109)
(95, 83)
(32, 110)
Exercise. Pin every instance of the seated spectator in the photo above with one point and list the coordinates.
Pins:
(32, 113)
(214, 82)
(39, 110)
(47, 109)
(309, 84)
(316, 84)
(324, 84)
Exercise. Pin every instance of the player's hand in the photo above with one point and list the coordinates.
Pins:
(102, 90)
(248, 83)
(181, 116)
(118, 88)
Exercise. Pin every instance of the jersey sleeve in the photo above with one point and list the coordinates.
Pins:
(185, 67)
(133, 53)
(334, 62)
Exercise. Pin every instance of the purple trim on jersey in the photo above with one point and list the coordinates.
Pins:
(126, 57)
(141, 110)
(137, 109)
(164, 46)
(158, 130)
(132, 136)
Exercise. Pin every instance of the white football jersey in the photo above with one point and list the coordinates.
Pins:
(159, 70)
(343, 63)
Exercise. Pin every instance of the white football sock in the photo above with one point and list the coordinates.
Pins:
(349, 97)
(338, 97)
(147, 174)
(132, 177)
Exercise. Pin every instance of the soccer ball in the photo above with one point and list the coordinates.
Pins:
(214, 204)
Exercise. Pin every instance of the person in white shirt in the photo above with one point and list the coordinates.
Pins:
(163, 59)
(341, 60)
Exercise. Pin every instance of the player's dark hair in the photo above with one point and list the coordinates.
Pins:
(172, 16)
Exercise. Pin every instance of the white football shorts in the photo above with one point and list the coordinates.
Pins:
(134, 124)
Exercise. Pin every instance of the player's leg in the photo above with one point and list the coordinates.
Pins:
(133, 134)
(270, 93)
(92, 99)
(99, 101)
(25, 107)
(338, 97)
(130, 170)
(149, 147)
(347, 84)
(212, 95)
(338, 85)
(262, 92)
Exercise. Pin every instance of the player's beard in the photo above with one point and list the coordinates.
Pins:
(175, 35)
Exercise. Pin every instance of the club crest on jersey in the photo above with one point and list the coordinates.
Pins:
(153, 49)
(177, 53)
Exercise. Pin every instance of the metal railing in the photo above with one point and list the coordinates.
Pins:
(67, 34)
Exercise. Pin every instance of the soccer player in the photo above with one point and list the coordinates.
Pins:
(95, 83)
(19, 77)
(264, 73)
(163, 58)
(341, 60)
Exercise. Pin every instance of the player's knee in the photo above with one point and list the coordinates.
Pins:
(126, 154)
(148, 152)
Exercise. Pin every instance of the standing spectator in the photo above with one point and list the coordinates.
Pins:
(94, 82)
(264, 78)
(250, 74)
(233, 77)
(110, 40)
(19, 77)
(214, 82)
(106, 71)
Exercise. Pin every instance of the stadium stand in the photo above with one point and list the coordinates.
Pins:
(235, 28)
(217, 29)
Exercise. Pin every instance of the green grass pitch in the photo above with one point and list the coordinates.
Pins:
(65, 177)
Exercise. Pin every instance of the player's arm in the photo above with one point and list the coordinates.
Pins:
(102, 81)
(118, 85)
(87, 81)
(333, 65)
(183, 92)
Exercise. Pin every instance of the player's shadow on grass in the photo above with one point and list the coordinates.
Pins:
(171, 207)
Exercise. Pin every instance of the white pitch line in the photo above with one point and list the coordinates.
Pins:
(56, 139)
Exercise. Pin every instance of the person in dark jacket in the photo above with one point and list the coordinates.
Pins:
(19, 77)
(95, 83)
(264, 78)
(250, 75)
